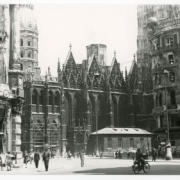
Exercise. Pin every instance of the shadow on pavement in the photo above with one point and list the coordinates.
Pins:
(156, 169)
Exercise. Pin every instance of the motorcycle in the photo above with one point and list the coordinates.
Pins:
(145, 166)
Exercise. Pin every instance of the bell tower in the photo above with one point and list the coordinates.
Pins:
(28, 37)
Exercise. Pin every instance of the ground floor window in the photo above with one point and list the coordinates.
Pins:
(109, 140)
(131, 142)
(120, 145)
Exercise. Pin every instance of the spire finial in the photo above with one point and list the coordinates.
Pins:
(70, 46)
(114, 53)
(134, 57)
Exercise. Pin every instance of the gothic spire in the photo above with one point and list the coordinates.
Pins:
(59, 69)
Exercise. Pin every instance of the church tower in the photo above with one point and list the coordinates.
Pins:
(28, 37)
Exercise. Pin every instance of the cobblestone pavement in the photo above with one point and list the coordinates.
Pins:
(95, 166)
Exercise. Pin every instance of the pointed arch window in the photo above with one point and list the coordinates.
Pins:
(50, 98)
(41, 98)
(57, 98)
(34, 97)
(160, 99)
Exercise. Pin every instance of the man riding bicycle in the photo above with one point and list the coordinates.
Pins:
(139, 158)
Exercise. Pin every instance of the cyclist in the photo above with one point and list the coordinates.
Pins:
(139, 158)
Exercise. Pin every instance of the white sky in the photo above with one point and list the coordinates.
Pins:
(82, 25)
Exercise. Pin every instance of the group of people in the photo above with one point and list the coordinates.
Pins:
(8, 161)
(118, 154)
(37, 156)
(79, 154)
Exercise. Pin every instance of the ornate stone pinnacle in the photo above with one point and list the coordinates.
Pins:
(114, 53)
(70, 46)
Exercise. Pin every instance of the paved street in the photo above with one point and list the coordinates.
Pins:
(96, 166)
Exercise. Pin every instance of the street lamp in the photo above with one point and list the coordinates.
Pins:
(168, 144)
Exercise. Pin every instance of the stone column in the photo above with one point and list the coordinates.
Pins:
(119, 121)
(6, 32)
(63, 124)
(15, 37)
(16, 126)
(109, 103)
(46, 113)
(72, 122)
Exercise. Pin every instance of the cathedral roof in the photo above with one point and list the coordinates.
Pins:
(27, 19)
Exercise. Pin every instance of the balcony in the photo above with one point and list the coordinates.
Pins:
(158, 109)
(165, 49)
(167, 24)
(172, 106)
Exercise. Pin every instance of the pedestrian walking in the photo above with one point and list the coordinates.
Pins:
(101, 155)
(77, 154)
(8, 161)
(36, 158)
(1, 162)
(31, 156)
(116, 154)
(53, 154)
(46, 157)
(69, 155)
(26, 158)
(119, 154)
(81, 153)
(154, 154)
(128, 154)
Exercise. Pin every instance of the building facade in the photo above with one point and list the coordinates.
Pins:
(158, 49)
(11, 83)
(62, 112)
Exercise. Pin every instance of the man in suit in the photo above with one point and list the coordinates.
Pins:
(36, 158)
(46, 157)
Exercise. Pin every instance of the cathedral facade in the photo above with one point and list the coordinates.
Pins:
(62, 112)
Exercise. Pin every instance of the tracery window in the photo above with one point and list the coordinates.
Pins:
(34, 97)
(50, 98)
(57, 98)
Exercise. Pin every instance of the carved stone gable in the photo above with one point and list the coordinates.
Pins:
(94, 68)
(71, 65)
(115, 70)
(117, 84)
(72, 81)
